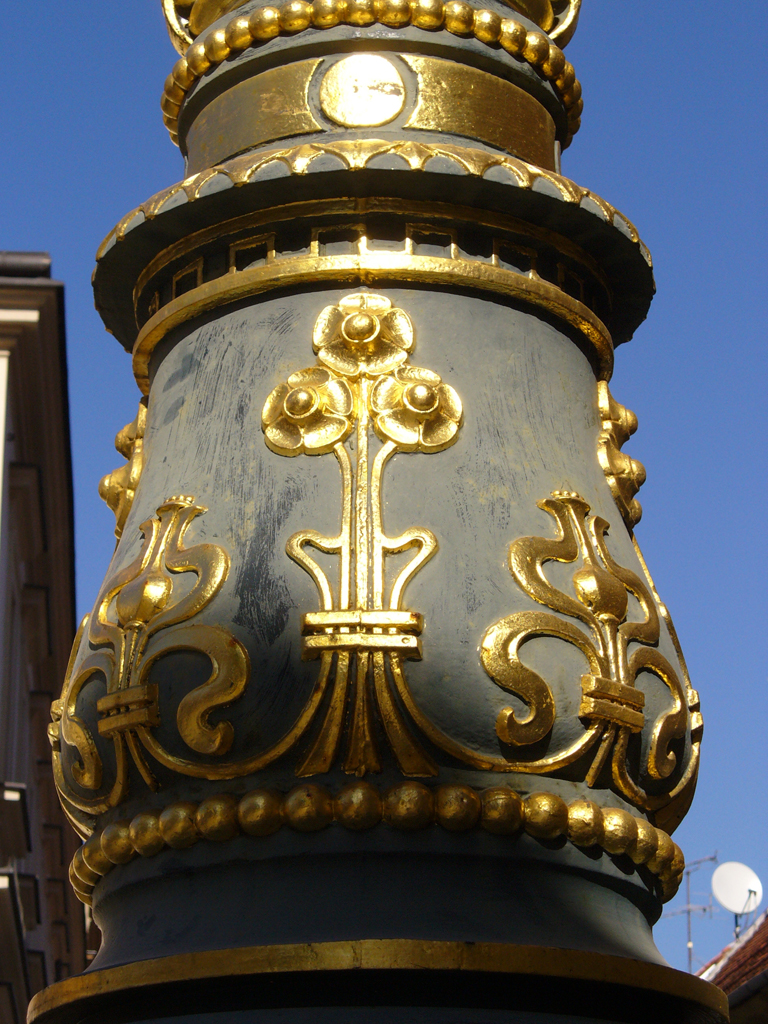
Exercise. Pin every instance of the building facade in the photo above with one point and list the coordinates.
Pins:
(741, 971)
(42, 927)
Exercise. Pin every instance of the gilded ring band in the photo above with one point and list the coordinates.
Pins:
(488, 958)
(370, 268)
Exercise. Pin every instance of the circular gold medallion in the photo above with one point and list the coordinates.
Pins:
(362, 91)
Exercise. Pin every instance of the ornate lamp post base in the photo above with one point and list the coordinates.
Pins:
(378, 715)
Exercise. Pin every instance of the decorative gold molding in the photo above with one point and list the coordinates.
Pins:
(355, 155)
(407, 807)
(363, 386)
(186, 19)
(296, 16)
(257, 111)
(456, 99)
(277, 104)
(625, 475)
(612, 706)
(349, 217)
(519, 250)
(389, 954)
(118, 488)
(370, 267)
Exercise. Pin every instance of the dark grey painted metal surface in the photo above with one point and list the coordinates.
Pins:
(530, 427)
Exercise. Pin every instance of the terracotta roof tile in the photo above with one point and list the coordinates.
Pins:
(742, 960)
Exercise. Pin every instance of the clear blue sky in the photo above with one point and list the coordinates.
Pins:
(674, 135)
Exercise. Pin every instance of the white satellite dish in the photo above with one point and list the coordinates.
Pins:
(737, 888)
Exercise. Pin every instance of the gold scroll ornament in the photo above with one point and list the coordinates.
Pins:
(142, 615)
(612, 702)
(362, 388)
(118, 488)
(186, 19)
(625, 475)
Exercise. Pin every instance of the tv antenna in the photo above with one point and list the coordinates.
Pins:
(690, 909)
(737, 888)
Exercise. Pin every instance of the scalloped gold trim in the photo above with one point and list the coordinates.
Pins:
(356, 155)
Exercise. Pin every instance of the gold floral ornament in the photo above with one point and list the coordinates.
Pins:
(415, 410)
(308, 414)
(362, 636)
(364, 335)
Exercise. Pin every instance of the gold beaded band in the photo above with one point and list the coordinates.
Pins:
(456, 16)
(407, 807)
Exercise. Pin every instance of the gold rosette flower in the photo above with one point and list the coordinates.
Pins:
(364, 334)
(308, 414)
(413, 408)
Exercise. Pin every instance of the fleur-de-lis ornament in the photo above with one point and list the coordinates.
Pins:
(362, 389)
(612, 700)
(142, 615)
